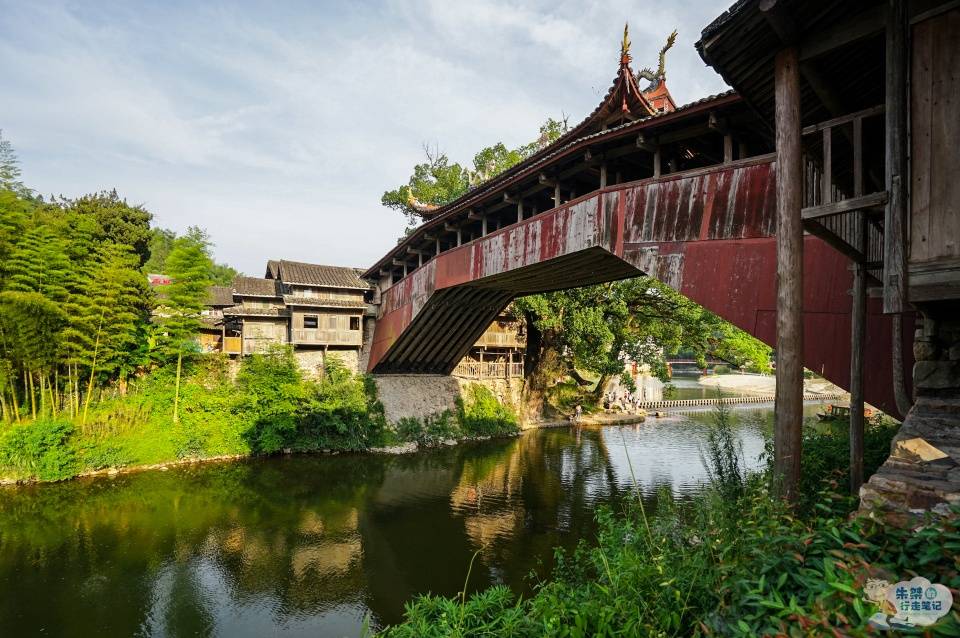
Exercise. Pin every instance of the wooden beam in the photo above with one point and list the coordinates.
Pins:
(843, 119)
(788, 417)
(833, 36)
(895, 220)
(717, 123)
(646, 143)
(475, 215)
(865, 202)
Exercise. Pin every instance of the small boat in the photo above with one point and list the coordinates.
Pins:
(836, 411)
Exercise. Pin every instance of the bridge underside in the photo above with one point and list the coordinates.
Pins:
(708, 235)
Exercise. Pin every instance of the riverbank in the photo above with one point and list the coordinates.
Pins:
(208, 415)
(765, 384)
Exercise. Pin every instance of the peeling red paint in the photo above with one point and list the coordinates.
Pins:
(707, 233)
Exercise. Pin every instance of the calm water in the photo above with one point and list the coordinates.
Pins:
(309, 546)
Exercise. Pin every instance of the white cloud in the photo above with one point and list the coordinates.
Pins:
(278, 126)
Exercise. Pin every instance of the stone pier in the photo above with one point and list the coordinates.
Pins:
(923, 471)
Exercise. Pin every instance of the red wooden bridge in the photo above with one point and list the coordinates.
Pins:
(667, 194)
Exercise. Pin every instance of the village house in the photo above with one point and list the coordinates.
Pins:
(325, 311)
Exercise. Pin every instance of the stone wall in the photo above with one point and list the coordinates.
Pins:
(507, 391)
(311, 361)
(923, 470)
(416, 395)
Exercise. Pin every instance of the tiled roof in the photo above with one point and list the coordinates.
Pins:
(273, 269)
(241, 311)
(256, 287)
(219, 296)
(295, 272)
(293, 300)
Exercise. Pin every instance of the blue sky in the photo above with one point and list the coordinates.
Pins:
(278, 125)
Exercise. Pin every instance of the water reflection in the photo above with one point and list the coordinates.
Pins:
(310, 545)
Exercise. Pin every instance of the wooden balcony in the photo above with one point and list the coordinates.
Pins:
(493, 338)
(320, 337)
(486, 370)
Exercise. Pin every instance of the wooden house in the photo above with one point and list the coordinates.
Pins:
(498, 353)
(258, 316)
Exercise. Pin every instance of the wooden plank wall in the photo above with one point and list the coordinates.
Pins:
(935, 152)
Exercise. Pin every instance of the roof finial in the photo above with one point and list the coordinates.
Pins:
(625, 45)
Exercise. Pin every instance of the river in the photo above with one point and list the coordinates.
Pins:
(313, 545)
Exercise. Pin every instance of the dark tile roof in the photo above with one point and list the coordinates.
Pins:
(313, 302)
(295, 272)
(273, 269)
(219, 296)
(241, 311)
(256, 287)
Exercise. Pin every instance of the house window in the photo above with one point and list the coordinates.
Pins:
(354, 323)
(310, 322)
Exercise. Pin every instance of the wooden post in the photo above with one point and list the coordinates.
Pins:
(556, 194)
(788, 418)
(858, 332)
(459, 237)
(656, 161)
(742, 151)
(603, 175)
(438, 245)
(419, 260)
(826, 185)
(727, 148)
(519, 210)
(483, 226)
(895, 221)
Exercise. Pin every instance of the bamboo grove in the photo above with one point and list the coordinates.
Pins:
(77, 315)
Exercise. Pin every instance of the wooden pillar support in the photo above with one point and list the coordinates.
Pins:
(519, 210)
(788, 419)
(603, 175)
(556, 194)
(727, 148)
(656, 161)
(858, 333)
(895, 220)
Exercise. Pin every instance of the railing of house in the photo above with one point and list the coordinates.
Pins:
(503, 339)
(328, 337)
(840, 210)
(488, 370)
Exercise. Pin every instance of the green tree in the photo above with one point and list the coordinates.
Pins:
(109, 312)
(118, 221)
(10, 169)
(160, 245)
(189, 266)
(439, 181)
(38, 263)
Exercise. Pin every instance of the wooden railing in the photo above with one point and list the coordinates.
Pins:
(328, 337)
(502, 339)
(840, 211)
(488, 370)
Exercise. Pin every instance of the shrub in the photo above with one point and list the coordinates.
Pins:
(39, 450)
(480, 413)
(430, 431)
